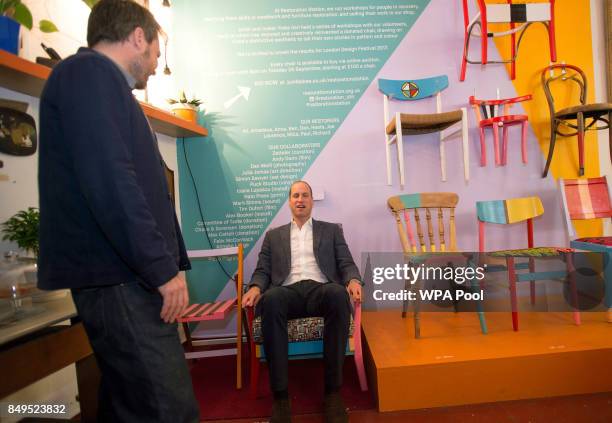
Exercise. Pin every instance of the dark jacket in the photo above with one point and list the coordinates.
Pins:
(329, 247)
(106, 216)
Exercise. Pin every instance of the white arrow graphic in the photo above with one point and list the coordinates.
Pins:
(244, 92)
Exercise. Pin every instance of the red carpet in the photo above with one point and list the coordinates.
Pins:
(214, 384)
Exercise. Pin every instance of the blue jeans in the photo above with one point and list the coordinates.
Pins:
(144, 372)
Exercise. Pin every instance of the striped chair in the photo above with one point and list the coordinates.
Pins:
(442, 205)
(585, 199)
(490, 115)
(216, 310)
(400, 124)
(516, 210)
(523, 14)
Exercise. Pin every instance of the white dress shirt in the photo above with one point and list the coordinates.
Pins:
(303, 263)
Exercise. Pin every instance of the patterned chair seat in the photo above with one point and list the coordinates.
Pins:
(300, 330)
(600, 240)
(531, 252)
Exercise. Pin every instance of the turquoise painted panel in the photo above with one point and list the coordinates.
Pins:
(492, 211)
(277, 80)
(411, 200)
(307, 349)
(539, 276)
(412, 89)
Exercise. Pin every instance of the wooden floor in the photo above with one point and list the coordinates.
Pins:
(574, 409)
(454, 364)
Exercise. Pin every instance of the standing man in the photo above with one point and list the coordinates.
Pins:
(108, 230)
(304, 269)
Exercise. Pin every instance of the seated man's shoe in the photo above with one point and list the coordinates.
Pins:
(334, 409)
(281, 411)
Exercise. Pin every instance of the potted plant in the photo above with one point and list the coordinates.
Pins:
(22, 228)
(13, 14)
(186, 109)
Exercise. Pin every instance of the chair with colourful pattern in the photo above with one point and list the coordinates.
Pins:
(490, 114)
(400, 124)
(586, 199)
(442, 206)
(516, 210)
(524, 14)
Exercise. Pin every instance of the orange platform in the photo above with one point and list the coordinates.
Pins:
(454, 364)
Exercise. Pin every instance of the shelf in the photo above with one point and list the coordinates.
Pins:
(27, 77)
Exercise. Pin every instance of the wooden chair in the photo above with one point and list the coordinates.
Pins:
(524, 14)
(442, 206)
(489, 115)
(401, 124)
(576, 119)
(217, 310)
(589, 199)
(515, 210)
(305, 341)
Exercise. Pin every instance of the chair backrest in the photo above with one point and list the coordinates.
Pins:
(516, 13)
(563, 73)
(505, 212)
(487, 109)
(436, 202)
(584, 199)
(412, 89)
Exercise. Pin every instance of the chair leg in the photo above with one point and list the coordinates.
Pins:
(572, 282)
(483, 148)
(388, 156)
(524, 141)
(465, 147)
(358, 354)
(496, 143)
(405, 302)
(254, 371)
(466, 44)
(551, 147)
(513, 299)
(551, 35)
(481, 315)
(513, 53)
(532, 290)
(442, 158)
(580, 144)
(505, 146)
(417, 315)
(608, 286)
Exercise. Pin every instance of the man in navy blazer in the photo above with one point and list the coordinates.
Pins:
(304, 269)
(108, 230)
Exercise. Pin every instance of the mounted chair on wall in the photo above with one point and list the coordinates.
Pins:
(490, 115)
(586, 199)
(400, 124)
(523, 14)
(217, 310)
(576, 119)
(442, 205)
(516, 210)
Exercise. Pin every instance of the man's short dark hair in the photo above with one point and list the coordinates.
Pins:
(115, 20)
(297, 182)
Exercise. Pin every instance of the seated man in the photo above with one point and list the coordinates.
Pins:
(304, 269)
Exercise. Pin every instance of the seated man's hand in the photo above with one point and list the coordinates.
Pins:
(175, 298)
(251, 298)
(354, 290)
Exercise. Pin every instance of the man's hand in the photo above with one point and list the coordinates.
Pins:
(176, 298)
(252, 297)
(354, 290)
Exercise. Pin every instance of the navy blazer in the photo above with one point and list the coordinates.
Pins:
(106, 216)
(329, 247)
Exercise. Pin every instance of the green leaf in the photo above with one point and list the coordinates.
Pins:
(90, 3)
(23, 15)
(47, 26)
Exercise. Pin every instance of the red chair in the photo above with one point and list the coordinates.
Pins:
(523, 14)
(489, 116)
(585, 199)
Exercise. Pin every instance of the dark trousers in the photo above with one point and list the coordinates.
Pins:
(144, 372)
(305, 299)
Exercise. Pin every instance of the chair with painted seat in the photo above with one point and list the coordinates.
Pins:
(305, 341)
(512, 211)
(490, 114)
(442, 206)
(523, 14)
(587, 199)
(576, 119)
(216, 310)
(400, 124)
